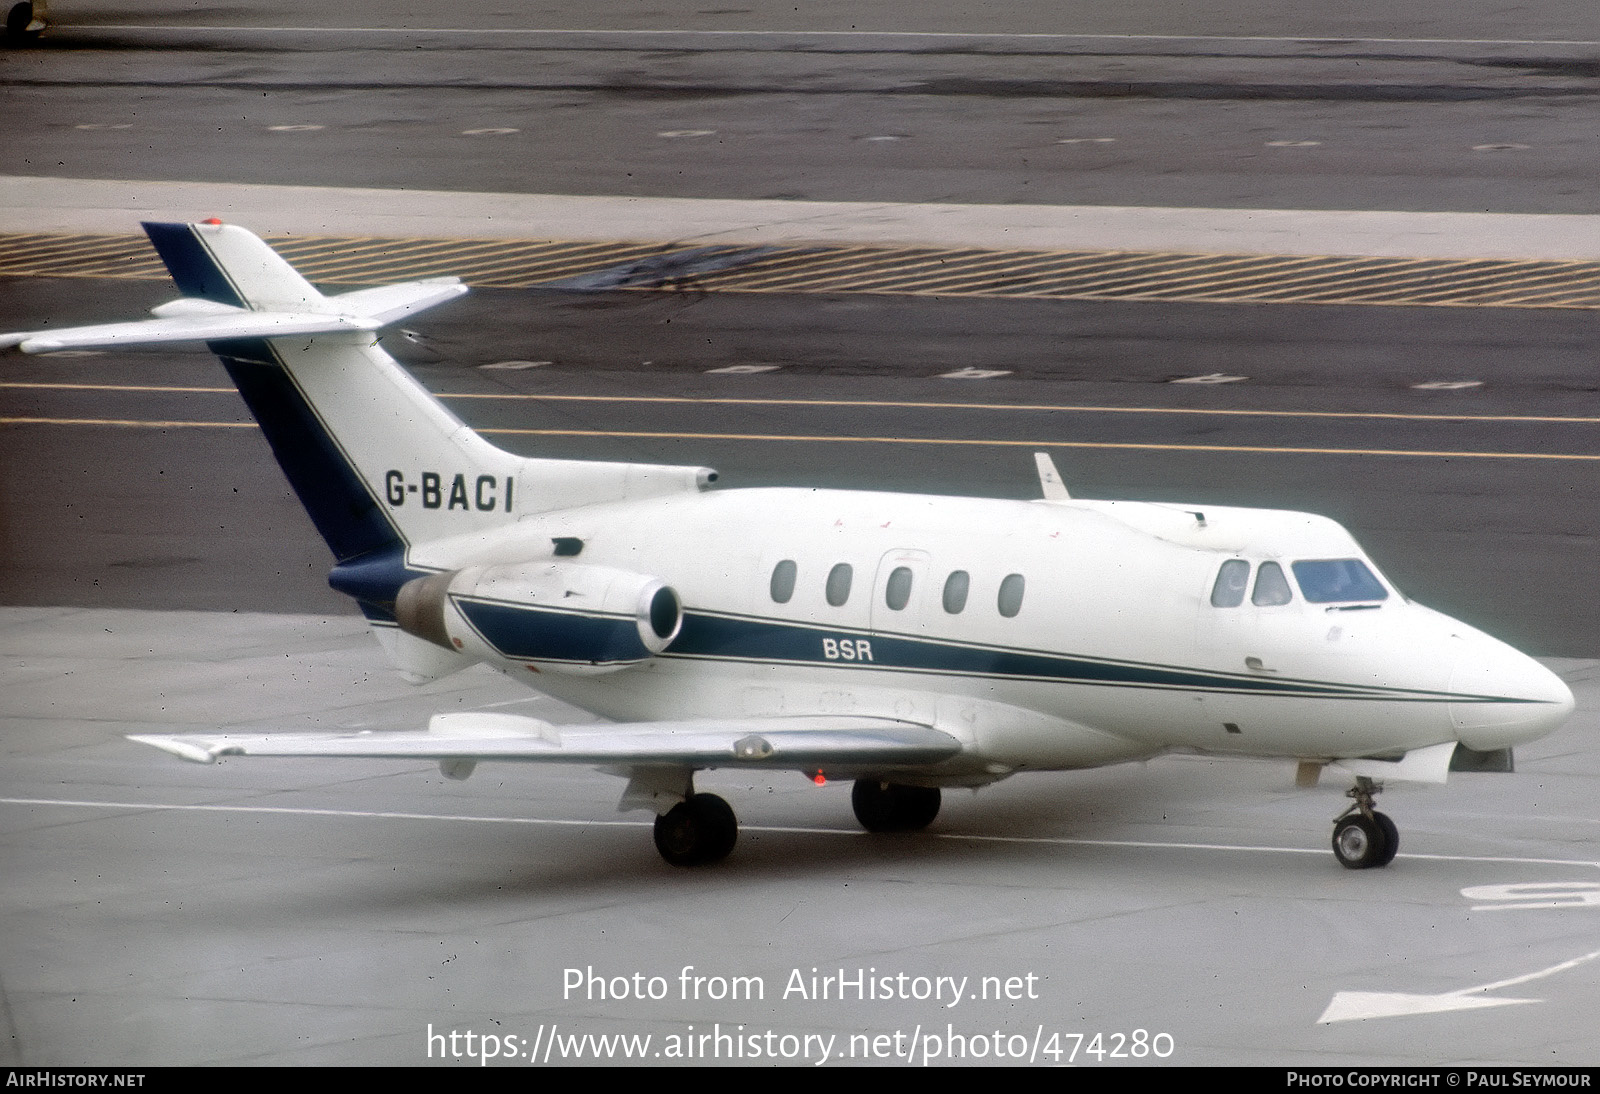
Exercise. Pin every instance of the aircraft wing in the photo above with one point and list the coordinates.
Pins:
(792, 743)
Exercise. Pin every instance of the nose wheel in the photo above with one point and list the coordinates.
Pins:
(1362, 836)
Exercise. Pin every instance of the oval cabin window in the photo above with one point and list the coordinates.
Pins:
(1010, 599)
(955, 591)
(838, 588)
(897, 594)
(783, 581)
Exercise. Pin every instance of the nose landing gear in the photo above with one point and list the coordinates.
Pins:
(1363, 837)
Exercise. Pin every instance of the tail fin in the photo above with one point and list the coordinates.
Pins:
(377, 461)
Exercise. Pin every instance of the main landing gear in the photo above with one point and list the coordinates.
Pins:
(24, 22)
(701, 829)
(894, 807)
(697, 831)
(1363, 837)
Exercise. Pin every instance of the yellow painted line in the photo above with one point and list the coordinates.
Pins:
(119, 387)
(836, 266)
(1555, 298)
(68, 247)
(956, 272)
(1545, 283)
(979, 442)
(128, 422)
(1346, 277)
(1228, 277)
(994, 443)
(1277, 272)
(1031, 407)
(877, 404)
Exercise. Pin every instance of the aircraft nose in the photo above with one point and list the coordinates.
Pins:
(1502, 697)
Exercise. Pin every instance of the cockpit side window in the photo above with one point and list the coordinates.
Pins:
(1232, 580)
(1272, 588)
(1337, 581)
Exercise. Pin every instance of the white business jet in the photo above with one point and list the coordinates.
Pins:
(905, 642)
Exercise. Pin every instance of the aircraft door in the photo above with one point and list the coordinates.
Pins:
(900, 592)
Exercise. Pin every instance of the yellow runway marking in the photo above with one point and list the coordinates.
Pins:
(997, 443)
(788, 438)
(128, 422)
(879, 404)
(917, 271)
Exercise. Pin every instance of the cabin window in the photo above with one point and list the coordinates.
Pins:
(783, 581)
(955, 591)
(1232, 580)
(1272, 588)
(1337, 581)
(897, 594)
(1010, 599)
(838, 588)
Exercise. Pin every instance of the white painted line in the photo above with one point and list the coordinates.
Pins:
(1358, 1005)
(970, 373)
(882, 138)
(491, 131)
(105, 125)
(1293, 144)
(1087, 140)
(295, 128)
(1209, 378)
(1059, 841)
(1534, 895)
(687, 133)
(741, 370)
(515, 366)
(1446, 385)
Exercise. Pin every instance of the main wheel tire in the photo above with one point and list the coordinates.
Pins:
(1358, 843)
(894, 807)
(696, 832)
(1391, 839)
(18, 19)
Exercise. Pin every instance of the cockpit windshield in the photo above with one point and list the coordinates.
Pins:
(1337, 581)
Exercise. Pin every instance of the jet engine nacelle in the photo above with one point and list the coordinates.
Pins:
(557, 616)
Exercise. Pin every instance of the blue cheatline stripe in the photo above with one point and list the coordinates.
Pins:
(196, 273)
(351, 519)
(742, 638)
(523, 632)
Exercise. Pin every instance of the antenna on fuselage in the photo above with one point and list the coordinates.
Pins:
(1050, 479)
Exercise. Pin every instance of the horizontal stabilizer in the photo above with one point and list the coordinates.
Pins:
(192, 319)
(195, 328)
(798, 743)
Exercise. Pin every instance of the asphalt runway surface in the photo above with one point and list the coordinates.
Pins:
(1466, 110)
(286, 913)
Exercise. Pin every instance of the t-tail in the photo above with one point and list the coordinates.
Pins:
(379, 464)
